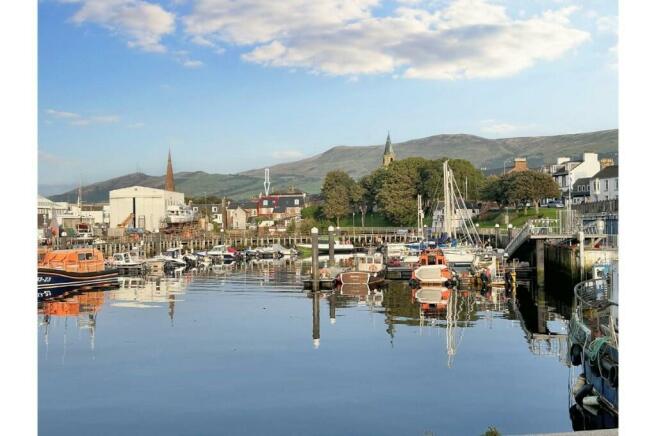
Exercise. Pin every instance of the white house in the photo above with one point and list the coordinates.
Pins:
(567, 172)
(605, 184)
(139, 206)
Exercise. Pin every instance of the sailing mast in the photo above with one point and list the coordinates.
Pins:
(453, 202)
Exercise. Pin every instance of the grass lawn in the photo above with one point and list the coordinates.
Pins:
(516, 217)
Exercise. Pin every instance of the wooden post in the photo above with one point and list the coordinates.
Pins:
(539, 261)
(316, 325)
(331, 246)
(315, 259)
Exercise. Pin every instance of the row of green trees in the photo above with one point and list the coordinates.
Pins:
(393, 190)
(519, 188)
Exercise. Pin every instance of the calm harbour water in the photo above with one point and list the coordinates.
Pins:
(237, 353)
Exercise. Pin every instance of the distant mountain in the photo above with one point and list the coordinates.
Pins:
(482, 152)
(307, 174)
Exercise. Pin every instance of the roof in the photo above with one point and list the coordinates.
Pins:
(141, 190)
(388, 145)
(582, 181)
(608, 172)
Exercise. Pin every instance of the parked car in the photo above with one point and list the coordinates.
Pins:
(556, 204)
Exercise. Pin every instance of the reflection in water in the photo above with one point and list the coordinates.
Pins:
(225, 348)
(316, 311)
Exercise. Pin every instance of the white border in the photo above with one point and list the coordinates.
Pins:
(18, 322)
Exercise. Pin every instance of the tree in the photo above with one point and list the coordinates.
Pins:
(372, 184)
(532, 186)
(358, 200)
(397, 197)
(336, 191)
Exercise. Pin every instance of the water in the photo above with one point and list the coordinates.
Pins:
(248, 352)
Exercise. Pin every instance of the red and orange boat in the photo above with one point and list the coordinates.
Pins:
(433, 270)
(62, 271)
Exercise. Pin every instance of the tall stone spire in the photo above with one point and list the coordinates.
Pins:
(388, 156)
(170, 183)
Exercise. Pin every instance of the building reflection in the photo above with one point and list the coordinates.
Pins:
(140, 292)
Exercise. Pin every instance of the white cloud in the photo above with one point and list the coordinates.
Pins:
(607, 24)
(142, 23)
(75, 119)
(287, 154)
(192, 64)
(466, 39)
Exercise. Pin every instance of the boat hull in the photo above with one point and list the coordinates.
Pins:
(52, 282)
(361, 278)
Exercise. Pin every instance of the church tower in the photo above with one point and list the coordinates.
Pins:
(388, 156)
(170, 183)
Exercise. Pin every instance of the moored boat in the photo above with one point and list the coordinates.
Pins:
(594, 345)
(370, 270)
(61, 271)
(433, 270)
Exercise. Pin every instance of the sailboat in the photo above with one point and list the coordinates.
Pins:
(459, 240)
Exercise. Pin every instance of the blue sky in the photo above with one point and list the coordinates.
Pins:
(233, 87)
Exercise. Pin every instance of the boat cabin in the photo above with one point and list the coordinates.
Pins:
(174, 253)
(75, 260)
(371, 263)
(432, 256)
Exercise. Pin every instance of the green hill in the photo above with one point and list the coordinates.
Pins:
(307, 174)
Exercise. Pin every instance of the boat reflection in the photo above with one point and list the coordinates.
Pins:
(83, 307)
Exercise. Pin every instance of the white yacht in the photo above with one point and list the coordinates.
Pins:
(180, 214)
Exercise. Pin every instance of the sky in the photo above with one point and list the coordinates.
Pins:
(234, 85)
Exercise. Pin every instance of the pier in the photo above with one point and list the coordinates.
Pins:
(155, 243)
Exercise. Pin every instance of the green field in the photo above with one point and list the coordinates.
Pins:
(516, 217)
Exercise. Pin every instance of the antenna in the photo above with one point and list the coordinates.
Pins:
(267, 183)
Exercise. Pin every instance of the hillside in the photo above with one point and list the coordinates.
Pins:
(482, 152)
(307, 174)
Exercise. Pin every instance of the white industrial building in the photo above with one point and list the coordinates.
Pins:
(139, 206)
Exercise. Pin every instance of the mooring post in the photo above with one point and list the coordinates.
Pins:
(316, 326)
(333, 308)
(497, 234)
(331, 246)
(539, 261)
(582, 255)
(315, 258)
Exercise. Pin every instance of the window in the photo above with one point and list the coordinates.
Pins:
(616, 183)
(81, 256)
(296, 203)
(265, 202)
(215, 209)
(195, 209)
(606, 185)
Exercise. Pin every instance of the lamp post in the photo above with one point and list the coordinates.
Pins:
(222, 240)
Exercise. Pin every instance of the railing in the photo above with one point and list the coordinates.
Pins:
(521, 237)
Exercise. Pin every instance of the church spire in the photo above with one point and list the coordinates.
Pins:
(388, 156)
(170, 183)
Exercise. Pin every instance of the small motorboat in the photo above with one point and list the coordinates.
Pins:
(62, 271)
(433, 270)
(222, 253)
(370, 270)
(127, 264)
